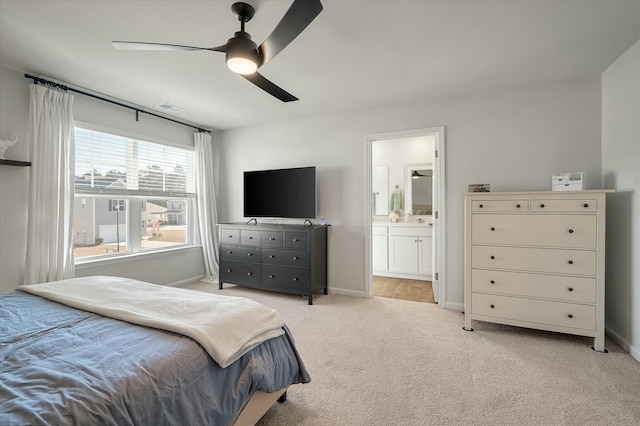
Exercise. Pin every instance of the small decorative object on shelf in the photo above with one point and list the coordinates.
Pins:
(479, 187)
(567, 181)
(6, 144)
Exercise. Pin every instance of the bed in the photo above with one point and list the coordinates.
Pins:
(66, 358)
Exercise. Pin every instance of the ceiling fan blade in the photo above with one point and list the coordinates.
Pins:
(269, 87)
(298, 17)
(139, 45)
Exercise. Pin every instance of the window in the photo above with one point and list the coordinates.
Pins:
(131, 195)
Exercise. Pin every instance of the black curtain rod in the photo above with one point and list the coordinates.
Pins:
(137, 110)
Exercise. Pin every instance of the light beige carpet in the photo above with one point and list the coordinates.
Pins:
(382, 361)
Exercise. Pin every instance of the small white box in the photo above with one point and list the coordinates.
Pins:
(567, 181)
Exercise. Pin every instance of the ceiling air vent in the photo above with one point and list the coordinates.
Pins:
(168, 107)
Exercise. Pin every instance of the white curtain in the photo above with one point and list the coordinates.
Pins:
(206, 200)
(51, 186)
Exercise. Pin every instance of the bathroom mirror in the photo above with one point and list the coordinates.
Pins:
(419, 189)
(380, 187)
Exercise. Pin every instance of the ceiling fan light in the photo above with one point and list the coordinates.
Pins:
(241, 65)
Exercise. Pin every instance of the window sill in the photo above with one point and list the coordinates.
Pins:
(131, 257)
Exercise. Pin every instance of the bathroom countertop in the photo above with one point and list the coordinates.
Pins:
(403, 222)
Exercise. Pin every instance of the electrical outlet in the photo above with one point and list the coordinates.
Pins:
(156, 265)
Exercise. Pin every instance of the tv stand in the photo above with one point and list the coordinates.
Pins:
(284, 258)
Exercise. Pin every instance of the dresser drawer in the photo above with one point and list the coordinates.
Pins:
(292, 280)
(272, 239)
(296, 240)
(570, 262)
(240, 253)
(229, 236)
(481, 206)
(534, 311)
(555, 287)
(294, 258)
(250, 237)
(241, 273)
(575, 231)
(559, 205)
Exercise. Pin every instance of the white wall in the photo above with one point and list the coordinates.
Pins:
(514, 139)
(14, 111)
(621, 171)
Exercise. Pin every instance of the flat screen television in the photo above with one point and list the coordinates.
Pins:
(281, 193)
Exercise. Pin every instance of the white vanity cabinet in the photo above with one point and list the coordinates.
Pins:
(405, 250)
(380, 249)
(536, 260)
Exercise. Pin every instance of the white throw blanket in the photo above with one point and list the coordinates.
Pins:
(227, 327)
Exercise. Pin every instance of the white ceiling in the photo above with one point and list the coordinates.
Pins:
(357, 54)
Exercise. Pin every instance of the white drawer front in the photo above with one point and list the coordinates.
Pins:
(535, 311)
(571, 262)
(575, 231)
(379, 230)
(567, 289)
(411, 231)
(560, 205)
(481, 206)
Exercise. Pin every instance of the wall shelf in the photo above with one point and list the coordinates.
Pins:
(15, 163)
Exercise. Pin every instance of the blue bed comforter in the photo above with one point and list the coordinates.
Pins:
(60, 365)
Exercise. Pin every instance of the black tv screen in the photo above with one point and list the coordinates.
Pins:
(286, 193)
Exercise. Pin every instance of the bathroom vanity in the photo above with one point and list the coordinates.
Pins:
(403, 250)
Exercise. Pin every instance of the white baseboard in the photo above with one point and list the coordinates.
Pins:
(454, 306)
(185, 281)
(346, 292)
(624, 344)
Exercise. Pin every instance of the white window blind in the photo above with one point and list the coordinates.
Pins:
(112, 164)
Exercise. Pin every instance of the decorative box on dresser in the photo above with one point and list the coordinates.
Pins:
(536, 260)
(283, 258)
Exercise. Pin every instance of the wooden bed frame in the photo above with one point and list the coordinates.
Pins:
(259, 403)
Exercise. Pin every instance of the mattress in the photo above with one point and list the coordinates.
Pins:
(61, 365)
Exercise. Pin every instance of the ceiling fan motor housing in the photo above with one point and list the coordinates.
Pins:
(242, 45)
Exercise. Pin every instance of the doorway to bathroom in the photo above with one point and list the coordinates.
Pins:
(404, 241)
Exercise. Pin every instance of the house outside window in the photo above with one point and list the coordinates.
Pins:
(131, 195)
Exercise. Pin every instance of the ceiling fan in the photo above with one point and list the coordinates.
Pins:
(243, 56)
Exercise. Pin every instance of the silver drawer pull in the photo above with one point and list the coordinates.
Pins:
(272, 239)
(272, 276)
(272, 256)
(295, 258)
(249, 273)
(230, 236)
(249, 254)
(295, 278)
(295, 240)
(251, 238)
(229, 270)
(229, 252)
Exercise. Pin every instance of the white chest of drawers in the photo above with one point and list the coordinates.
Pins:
(536, 260)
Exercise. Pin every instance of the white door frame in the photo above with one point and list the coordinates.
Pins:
(439, 240)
